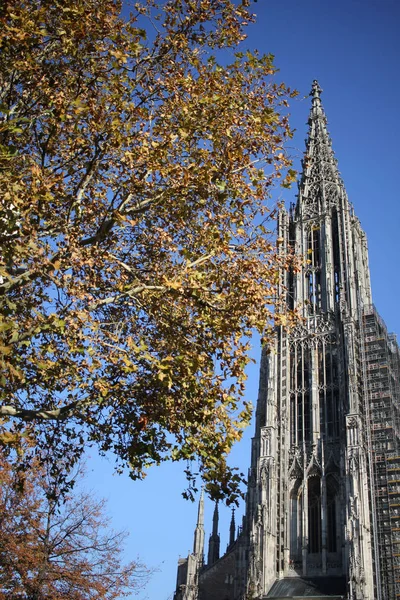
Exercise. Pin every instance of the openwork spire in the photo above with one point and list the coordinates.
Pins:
(320, 179)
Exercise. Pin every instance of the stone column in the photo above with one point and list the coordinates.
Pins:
(324, 521)
(305, 525)
(315, 396)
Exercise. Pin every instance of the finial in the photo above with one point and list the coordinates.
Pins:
(316, 89)
(316, 109)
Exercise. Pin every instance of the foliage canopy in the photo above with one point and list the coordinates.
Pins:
(135, 252)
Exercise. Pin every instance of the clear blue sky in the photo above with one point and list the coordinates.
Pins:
(353, 48)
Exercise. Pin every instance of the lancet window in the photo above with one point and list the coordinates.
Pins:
(313, 281)
(328, 391)
(336, 254)
(296, 521)
(314, 515)
(313, 274)
(314, 246)
(331, 501)
(300, 400)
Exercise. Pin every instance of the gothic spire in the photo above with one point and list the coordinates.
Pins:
(320, 179)
(215, 519)
(198, 544)
(213, 545)
(232, 529)
(200, 512)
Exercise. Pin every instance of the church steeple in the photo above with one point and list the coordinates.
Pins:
(320, 180)
(302, 485)
(214, 542)
(311, 479)
(232, 529)
(198, 544)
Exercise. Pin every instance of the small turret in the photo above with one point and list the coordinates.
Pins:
(232, 529)
(213, 544)
(198, 544)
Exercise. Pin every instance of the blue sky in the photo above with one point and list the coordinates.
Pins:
(353, 48)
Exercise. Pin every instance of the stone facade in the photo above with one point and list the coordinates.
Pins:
(310, 526)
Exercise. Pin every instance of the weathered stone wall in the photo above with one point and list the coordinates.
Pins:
(217, 582)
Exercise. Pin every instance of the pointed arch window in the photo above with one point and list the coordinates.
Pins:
(314, 246)
(336, 254)
(313, 282)
(313, 275)
(296, 521)
(331, 501)
(328, 377)
(300, 400)
(293, 413)
(314, 515)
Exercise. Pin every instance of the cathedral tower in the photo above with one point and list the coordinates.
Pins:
(322, 507)
(308, 506)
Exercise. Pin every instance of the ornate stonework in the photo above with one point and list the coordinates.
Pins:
(308, 506)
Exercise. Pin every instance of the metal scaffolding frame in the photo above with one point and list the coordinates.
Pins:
(381, 354)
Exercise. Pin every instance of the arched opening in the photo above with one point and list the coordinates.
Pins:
(314, 515)
(331, 516)
(314, 246)
(296, 521)
(293, 413)
(336, 254)
(313, 274)
(314, 290)
(300, 401)
(328, 377)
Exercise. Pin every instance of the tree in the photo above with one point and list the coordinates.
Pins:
(136, 256)
(56, 547)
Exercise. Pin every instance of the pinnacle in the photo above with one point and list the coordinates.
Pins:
(316, 92)
(316, 89)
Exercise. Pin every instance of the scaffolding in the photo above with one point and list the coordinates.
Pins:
(382, 373)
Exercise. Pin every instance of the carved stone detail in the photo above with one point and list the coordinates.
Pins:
(307, 508)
